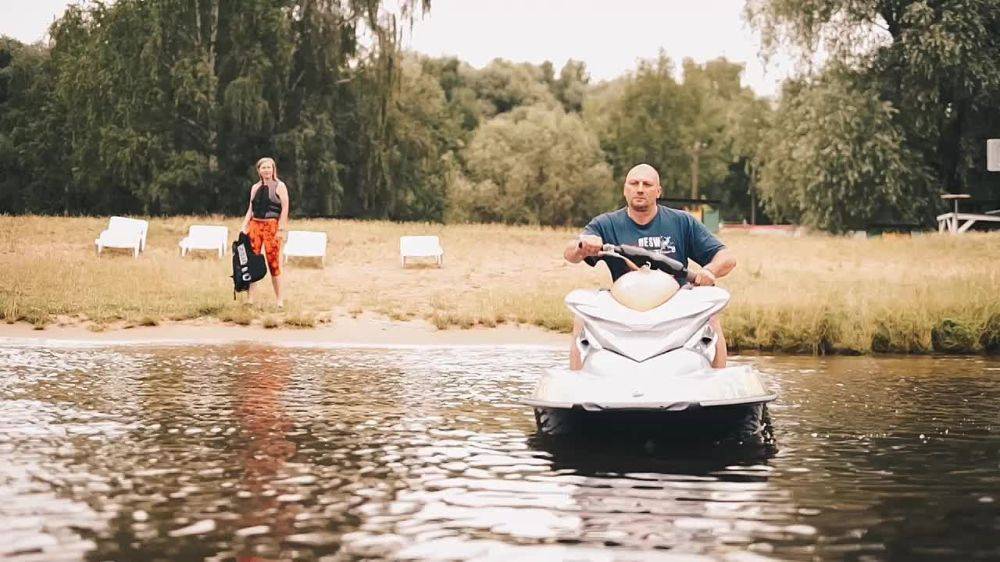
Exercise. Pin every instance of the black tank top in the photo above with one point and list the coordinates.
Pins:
(266, 204)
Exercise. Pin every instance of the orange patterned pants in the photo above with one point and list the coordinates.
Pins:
(264, 232)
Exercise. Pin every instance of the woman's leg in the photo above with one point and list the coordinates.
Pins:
(274, 261)
(276, 283)
(257, 245)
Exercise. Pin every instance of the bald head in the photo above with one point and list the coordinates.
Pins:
(644, 171)
(642, 189)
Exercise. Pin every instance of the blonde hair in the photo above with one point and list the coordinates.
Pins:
(274, 165)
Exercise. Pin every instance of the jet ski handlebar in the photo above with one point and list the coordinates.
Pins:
(655, 260)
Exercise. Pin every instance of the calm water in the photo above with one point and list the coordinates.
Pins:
(184, 453)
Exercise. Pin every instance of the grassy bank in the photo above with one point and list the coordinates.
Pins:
(814, 294)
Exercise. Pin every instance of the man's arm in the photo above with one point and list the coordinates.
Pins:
(722, 263)
(585, 246)
(707, 251)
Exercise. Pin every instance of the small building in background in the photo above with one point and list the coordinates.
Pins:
(705, 210)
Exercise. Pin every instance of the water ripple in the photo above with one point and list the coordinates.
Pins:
(273, 453)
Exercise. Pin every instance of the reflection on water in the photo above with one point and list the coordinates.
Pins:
(256, 453)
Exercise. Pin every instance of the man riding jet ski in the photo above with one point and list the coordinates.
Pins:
(645, 360)
(648, 225)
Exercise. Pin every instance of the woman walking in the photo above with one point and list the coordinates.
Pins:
(266, 220)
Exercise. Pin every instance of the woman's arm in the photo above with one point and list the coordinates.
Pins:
(282, 193)
(249, 215)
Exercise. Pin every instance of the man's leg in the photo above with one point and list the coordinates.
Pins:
(721, 353)
(575, 362)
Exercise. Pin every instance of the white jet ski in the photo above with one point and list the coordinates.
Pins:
(650, 371)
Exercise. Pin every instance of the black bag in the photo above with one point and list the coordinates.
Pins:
(248, 267)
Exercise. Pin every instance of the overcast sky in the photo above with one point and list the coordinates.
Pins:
(609, 36)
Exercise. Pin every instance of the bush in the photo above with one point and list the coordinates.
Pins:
(990, 337)
(952, 336)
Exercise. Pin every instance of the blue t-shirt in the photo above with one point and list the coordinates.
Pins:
(674, 233)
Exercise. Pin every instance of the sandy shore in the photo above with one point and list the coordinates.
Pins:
(364, 330)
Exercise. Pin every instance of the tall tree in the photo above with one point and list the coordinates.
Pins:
(571, 85)
(164, 105)
(704, 126)
(504, 85)
(535, 165)
(936, 61)
(834, 159)
(34, 173)
(644, 124)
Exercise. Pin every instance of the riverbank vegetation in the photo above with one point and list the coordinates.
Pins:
(814, 294)
(160, 108)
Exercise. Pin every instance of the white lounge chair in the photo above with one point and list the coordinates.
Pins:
(420, 247)
(123, 232)
(305, 244)
(204, 237)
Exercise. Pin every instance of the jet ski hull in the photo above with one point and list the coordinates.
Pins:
(650, 372)
(741, 422)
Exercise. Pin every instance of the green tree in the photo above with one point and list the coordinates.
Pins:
(834, 159)
(936, 61)
(33, 167)
(534, 165)
(644, 124)
(707, 124)
(463, 106)
(571, 86)
(422, 157)
(728, 123)
(163, 106)
(503, 85)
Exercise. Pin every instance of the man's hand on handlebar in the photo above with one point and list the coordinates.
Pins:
(704, 278)
(590, 245)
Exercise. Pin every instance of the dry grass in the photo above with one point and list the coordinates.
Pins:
(301, 320)
(891, 294)
(816, 294)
